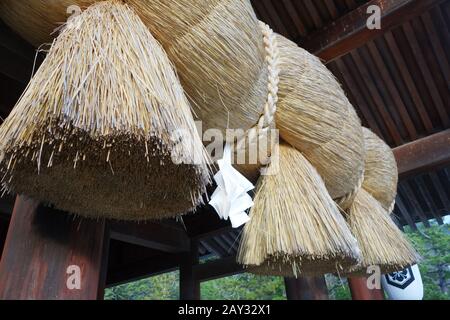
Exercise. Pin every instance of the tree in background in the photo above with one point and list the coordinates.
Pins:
(244, 287)
(433, 244)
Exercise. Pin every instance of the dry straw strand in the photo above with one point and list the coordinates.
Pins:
(218, 51)
(381, 242)
(295, 226)
(95, 131)
(315, 116)
(381, 176)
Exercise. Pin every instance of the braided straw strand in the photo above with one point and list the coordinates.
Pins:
(267, 118)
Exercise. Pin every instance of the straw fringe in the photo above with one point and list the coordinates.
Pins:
(381, 242)
(295, 226)
(103, 113)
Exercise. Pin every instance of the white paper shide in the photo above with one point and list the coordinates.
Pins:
(230, 199)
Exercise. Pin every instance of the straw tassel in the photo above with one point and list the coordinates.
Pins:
(109, 97)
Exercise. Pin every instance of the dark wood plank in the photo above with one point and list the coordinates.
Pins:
(426, 73)
(306, 288)
(40, 247)
(426, 154)
(350, 31)
(15, 44)
(15, 67)
(425, 193)
(392, 88)
(378, 100)
(314, 14)
(189, 281)
(217, 269)
(414, 203)
(409, 81)
(292, 11)
(406, 215)
(154, 235)
(360, 291)
(140, 266)
(361, 103)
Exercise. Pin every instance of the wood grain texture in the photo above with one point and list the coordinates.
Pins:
(41, 244)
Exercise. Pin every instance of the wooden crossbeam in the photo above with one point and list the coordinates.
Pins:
(426, 154)
(154, 235)
(350, 31)
(216, 269)
(149, 267)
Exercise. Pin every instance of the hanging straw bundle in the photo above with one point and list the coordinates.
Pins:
(381, 242)
(295, 227)
(216, 46)
(97, 131)
(381, 174)
(315, 116)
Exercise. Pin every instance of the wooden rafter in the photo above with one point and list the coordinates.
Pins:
(350, 31)
(424, 154)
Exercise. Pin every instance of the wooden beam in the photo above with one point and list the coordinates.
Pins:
(149, 267)
(15, 67)
(306, 288)
(426, 154)
(217, 269)
(350, 31)
(205, 223)
(189, 282)
(152, 235)
(42, 246)
(12, 42)
(360, 291)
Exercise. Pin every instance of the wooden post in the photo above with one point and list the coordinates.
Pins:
(360, 291)
(189, 283)
(47, 251)
(306, 288)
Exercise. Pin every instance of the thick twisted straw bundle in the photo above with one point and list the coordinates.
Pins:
(381, 174)
(95, 132)
(295, 226)
(315, 116)
(381, 242)
(216, 46)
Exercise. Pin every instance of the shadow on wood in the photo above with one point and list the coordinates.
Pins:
(42, 244)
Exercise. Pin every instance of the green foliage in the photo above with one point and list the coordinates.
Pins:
(433, 244)
(244, 287)
(163, 287)
(338, 288)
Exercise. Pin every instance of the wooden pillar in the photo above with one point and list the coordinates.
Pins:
(189, 284)
(49, 254)
(306, 288)
(360, 291)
